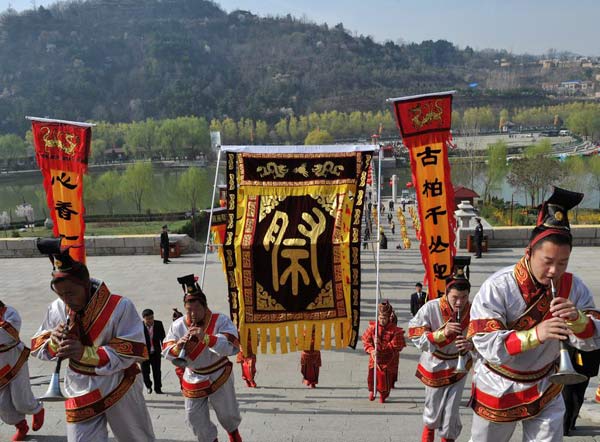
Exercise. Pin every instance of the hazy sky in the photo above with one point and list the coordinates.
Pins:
(520, 26)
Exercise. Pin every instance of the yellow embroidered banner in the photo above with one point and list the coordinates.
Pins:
(424, 122)
(292, 244)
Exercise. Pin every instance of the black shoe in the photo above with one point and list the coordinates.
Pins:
(158, 391)
(165, 262)
(168, 260)
(149, 390)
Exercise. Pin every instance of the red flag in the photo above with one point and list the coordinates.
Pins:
(62, 149)
(424, 122)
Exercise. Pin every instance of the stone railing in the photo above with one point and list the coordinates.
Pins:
(510, 237)
(103, 245)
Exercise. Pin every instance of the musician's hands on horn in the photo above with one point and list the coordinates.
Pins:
(452, 329)
(564, 308)
(463, 344)
(553, 328)
(194, 334)
(67, 346)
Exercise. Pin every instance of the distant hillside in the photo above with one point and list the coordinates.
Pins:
(126, 60)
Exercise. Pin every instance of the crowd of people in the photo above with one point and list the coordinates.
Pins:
(509, 335)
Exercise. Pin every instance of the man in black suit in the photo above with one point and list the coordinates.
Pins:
(417, 299)
(155, 334)
(478, 238)
(164, 244)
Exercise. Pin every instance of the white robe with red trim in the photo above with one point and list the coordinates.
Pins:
(118, 340)
(437, 367)
(223, 342)
(497, 395)
(437, 363)
(16, 398)
(11, 347)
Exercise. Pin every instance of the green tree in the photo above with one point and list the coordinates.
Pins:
(195, 135)
(229, 131)
(137, 182)
(107, 190)
(140, 138)
(191, 186)
(503, 119)
(97, 150)
(594, 168)
(533, 175)
(281, 130)
(12, 147)
(496, 168)
(170, 137)
(575, 176)
(317, 137)
(262, 131)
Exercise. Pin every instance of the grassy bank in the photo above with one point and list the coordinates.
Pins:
(105, 228)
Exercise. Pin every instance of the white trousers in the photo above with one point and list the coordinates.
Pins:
(224, 402)
(441, 410)
(545, 427)
(129, 421)
(16, 398)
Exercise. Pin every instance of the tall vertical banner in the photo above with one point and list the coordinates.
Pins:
(424, 122)
(217, 230)
(292, 244)
(62, 149)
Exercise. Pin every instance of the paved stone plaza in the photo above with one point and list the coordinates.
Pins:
(281, 409)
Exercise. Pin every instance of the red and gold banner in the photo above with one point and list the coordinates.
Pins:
(424, 122)
(61, 150)
(292, 244)
(218, 226)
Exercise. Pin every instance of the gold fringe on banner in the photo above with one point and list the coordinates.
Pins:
(268, 336)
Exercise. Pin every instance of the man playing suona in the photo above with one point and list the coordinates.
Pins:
(208, 339)
(102, 336)
(437, 330)
(516, 327)
(16, 398)
(382, 349)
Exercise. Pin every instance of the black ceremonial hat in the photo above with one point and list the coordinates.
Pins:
(553, 215)
(191, 288)
(63, 264)
(460, 272)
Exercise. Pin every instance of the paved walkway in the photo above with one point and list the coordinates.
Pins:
(281, 409)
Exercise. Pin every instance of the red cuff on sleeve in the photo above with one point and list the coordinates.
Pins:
(441, 344)
(588, 331)
(102, 357)
(513, 344)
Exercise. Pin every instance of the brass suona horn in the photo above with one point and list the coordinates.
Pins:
(180, 361)
(461, 366)
(54, 394)
(566, 374)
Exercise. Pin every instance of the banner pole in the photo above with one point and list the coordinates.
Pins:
(212, 204)
(377, 270)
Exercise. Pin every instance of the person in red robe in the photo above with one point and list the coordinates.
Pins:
(310, 364)
(382, 349)
(248, 364)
